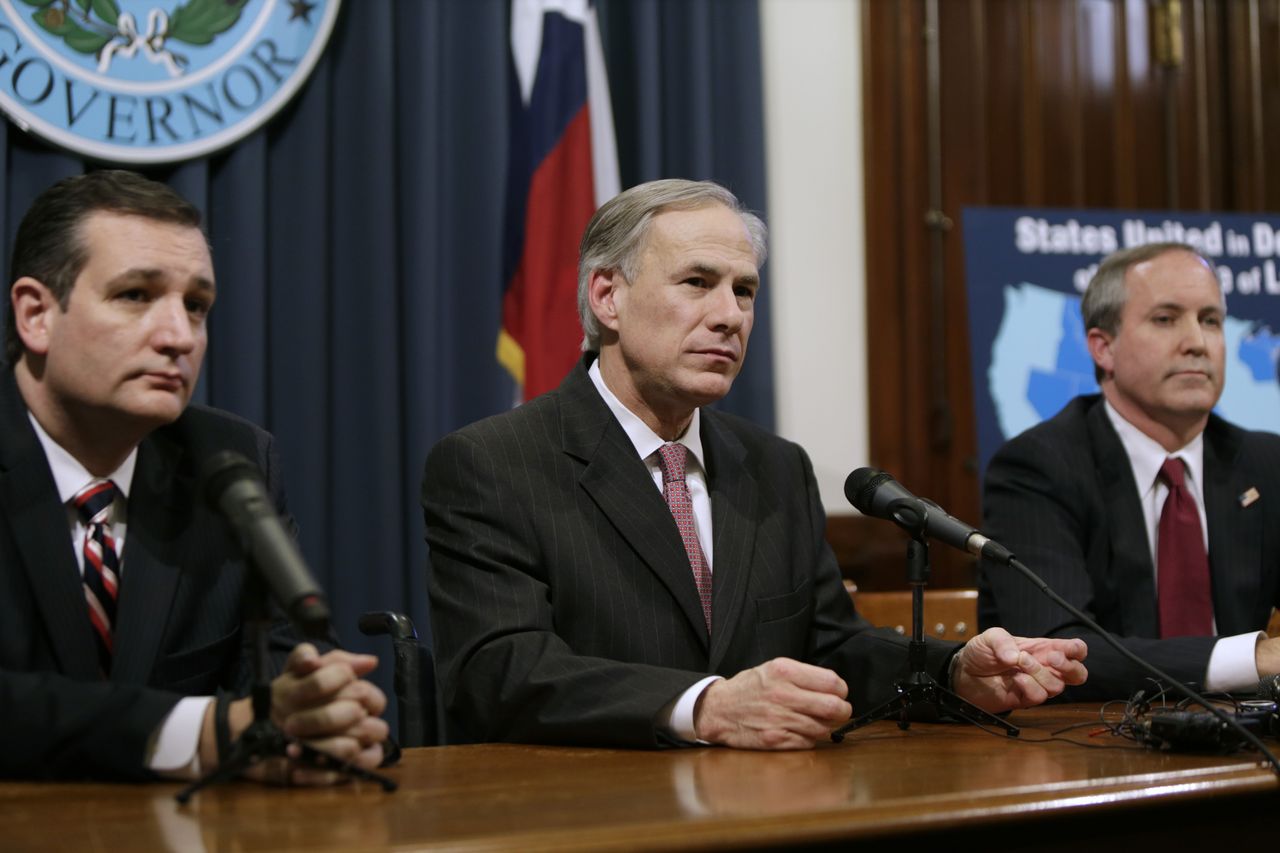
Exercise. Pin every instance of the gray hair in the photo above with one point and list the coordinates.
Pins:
(616, 234)
(1106, 294)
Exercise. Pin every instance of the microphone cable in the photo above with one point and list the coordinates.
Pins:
(1246, 735)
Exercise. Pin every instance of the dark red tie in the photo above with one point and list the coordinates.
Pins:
(1184, 592)
(101, 564)
(676, 491)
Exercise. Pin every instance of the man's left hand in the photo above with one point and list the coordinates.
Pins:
(999, 672)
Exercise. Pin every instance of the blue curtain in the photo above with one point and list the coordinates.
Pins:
(688, 102)
(357, 243)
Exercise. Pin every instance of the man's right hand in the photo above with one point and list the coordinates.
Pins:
(322, 700)
(781, 704)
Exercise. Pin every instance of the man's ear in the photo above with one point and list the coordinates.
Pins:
(33, 306)
(1100, 349)
(606, 291)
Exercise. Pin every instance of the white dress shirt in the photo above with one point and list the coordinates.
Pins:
(1232, 664)
(677, 717)
(173, 751)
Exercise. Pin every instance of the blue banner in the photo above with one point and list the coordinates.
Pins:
(1026, 269)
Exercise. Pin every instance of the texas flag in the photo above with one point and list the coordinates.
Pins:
(563, 165)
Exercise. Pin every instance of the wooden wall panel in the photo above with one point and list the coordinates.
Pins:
(1041, 102)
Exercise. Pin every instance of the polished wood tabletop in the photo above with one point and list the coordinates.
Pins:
(931, 781)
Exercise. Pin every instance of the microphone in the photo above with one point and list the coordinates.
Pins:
(875, 493)
(1269, 688)
(234, 487)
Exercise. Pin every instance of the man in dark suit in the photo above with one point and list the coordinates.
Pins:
(612, 563)
(120, 621)
(1091, 499)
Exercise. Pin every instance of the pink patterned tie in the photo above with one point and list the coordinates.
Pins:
(1182, 582)
(676, 491)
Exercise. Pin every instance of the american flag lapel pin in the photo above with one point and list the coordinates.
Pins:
(1249, 496)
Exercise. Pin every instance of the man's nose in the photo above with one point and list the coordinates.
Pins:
(1193, 336)
(726, 313)
(174, 330)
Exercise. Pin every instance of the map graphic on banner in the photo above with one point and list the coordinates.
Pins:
(1027, 268)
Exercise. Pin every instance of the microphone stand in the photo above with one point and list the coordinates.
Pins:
(263, 740)
(919, 696)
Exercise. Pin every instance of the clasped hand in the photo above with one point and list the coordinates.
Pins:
(324, 701)
(786, 704)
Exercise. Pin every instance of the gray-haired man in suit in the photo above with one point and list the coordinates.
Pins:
(613, 563)
(1139, 505)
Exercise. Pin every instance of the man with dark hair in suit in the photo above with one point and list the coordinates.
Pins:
(1140, 506)
(613, 563)
(120, 637)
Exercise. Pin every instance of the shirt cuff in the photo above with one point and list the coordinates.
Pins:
(1233, 664)
(175, 751)
(677, 717)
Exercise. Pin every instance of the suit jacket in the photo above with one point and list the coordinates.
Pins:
(563, 605)
(178, 620)
(1062, 497)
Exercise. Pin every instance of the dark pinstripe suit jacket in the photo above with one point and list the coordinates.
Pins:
(563, 606)
(178, 624)
(1062, 497)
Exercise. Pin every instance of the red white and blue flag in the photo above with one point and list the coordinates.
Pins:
(563, 165)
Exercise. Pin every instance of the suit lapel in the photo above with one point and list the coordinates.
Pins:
(618, 481)
(1235, 532)
(152, 560)
(1132, 579)
(734, 499)
(41, 531)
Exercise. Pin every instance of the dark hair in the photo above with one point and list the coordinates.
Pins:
(49, 246)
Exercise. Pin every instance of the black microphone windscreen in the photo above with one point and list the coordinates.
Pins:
(860, 487)
(222, 469)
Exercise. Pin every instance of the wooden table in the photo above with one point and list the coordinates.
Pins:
(942, 786)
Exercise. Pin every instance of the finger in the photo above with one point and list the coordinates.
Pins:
(802, 734)
(807, 676)
(811, 715)
(793, 741)
(304, 658)
(338, 751)
(367, 694)
(370, 758)
(783, 701)
(324, 720)
(369, 731)
(320, 686)
(1028, 690)
(304, 775)
(1046, 676)
(1003, 645)
(827, 710)
(360, 664)
(1073, 672)
(1027, 663)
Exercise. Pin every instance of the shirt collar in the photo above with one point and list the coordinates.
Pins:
(70, 476)
(1146, 455)
(645, 440)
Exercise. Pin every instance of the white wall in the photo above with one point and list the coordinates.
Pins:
(813, 136)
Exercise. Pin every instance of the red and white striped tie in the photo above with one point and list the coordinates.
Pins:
(101, 564)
